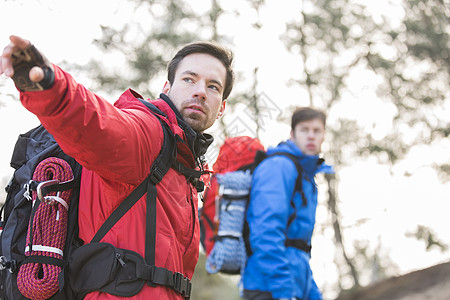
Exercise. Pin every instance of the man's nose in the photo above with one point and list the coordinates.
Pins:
(200, 91)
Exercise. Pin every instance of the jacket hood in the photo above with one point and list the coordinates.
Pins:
(312, 164)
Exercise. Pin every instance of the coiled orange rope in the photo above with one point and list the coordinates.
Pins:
(46, 232)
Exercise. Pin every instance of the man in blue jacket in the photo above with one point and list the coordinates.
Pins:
(281, 216)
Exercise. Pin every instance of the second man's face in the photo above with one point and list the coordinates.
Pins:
(197, 90)
(309, 136)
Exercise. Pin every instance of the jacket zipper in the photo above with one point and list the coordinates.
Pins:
(193, 220)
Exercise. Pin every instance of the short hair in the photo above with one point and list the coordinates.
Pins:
(306, 114)
(222, 54)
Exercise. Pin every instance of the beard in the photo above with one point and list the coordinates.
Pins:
(198, 121)
(194, 112)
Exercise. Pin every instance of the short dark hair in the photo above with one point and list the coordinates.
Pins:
(211, 48)
(306, 114)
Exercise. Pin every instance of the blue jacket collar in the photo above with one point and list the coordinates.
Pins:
(312, 164)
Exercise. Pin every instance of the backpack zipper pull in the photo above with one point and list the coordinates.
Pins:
(119, 258)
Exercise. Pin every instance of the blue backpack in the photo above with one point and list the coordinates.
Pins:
(230, 232)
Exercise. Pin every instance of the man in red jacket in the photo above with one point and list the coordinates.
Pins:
(117, 144)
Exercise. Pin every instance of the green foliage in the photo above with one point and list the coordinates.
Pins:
(444, 171)
(417, 78)
(430, 238)
(427, 30)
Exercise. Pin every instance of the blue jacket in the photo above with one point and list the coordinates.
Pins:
(283, 271)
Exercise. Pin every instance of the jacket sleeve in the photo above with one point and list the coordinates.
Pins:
(268, 214)
(314, 292)
(118, 144)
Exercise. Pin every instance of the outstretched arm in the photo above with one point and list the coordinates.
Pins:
(118, 143)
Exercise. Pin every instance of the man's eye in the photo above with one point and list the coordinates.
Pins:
(213, 87)
(188, 80)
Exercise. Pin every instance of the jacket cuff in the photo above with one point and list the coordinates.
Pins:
(46, 102)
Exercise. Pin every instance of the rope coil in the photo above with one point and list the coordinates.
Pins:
(47, 232)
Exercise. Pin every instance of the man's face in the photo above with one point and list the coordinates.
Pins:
(197, 90)
(309, 136)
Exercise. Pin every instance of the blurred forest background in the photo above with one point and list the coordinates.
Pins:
(381, 71)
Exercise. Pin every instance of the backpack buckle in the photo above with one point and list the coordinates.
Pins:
(181, 284)
(156, 175)
(5, 264)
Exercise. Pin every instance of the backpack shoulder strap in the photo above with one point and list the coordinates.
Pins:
(298, 183)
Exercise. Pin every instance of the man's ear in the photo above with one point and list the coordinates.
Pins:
(292, 134)
(166, 87)
(222, 109)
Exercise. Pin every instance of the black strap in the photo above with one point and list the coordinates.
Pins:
(225, 236)
(160, 166)
(40, 259)
(150, 233)
(34, 208)
(299, 244)
(162, 276)
(236, 197)
(187, 172)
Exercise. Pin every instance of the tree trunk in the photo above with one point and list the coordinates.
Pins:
(335, 219)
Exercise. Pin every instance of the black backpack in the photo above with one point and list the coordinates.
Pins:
(83, 266)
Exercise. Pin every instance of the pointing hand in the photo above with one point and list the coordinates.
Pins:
(29, 68)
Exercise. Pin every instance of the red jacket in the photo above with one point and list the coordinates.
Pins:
(116, 145)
